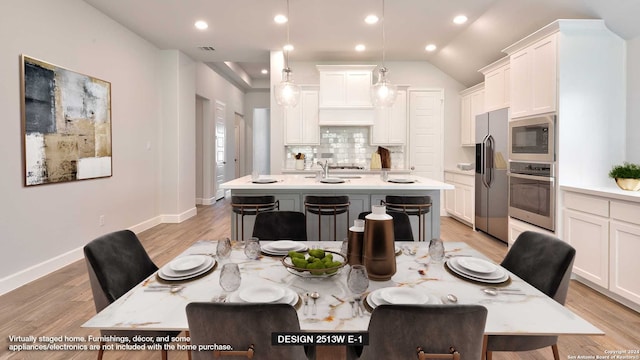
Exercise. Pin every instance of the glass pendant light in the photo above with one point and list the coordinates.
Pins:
(383, 93)
(287, 92)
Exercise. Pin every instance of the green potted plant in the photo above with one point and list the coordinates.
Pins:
(627, 176)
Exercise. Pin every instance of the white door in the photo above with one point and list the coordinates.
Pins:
(220, 147)
(426, 133)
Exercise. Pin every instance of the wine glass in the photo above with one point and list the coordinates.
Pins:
(223, 249)
(229, 279)
(252, 248)
(436, 250)
(358, 282)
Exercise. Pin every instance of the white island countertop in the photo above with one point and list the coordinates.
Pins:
(351, 182)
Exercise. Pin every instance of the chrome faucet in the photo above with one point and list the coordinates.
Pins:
(325, 169)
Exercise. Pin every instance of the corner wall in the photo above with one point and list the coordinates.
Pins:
(633, 100)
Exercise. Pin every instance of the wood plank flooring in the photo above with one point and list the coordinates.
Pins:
(59, 303)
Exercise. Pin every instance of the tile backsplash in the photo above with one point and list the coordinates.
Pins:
(343, 145)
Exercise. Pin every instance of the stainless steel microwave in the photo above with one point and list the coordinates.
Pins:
(532, 139)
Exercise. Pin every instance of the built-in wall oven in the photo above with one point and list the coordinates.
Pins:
(532, 139)
(532, 193)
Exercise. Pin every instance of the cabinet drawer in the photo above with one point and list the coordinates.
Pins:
(449, 177)
(464, 179)
(625, 211)
(586, 203)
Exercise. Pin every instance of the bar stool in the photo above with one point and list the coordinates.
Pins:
(411, 205)
(327, 205)
(252, 205)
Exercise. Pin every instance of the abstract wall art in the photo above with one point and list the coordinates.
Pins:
(66, 119)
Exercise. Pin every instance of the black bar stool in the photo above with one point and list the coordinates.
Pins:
(327, 205)
(252, 205)
(411, 205)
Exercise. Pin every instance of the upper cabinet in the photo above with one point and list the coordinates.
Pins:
(345, 95)
(497, 78)
(534, 85)
(345, 86)
(390, 124)
(471, 104)
(301, 122)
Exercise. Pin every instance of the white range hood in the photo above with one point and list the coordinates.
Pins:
(345, 95)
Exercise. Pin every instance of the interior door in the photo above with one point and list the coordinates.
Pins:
(425, 139)
(221, 161)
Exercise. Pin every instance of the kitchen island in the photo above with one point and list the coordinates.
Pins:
(363, 191)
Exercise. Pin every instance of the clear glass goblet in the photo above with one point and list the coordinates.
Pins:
(229, 279)
(252, 248)
(436, 250)
(223, 249)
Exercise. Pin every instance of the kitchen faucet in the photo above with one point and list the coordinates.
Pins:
(325, 169)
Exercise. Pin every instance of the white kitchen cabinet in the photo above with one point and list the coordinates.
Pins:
(497, 78)
(472, 104)
(301, 125)
(606, 235)
(534, 85)
(344, 86)
(459, 202)
(390, 124)
(517, 227)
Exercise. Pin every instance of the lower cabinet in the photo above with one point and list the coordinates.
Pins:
(460, 202)
(606, 235)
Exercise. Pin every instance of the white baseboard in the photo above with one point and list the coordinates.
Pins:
(209, 201)
(37, 271)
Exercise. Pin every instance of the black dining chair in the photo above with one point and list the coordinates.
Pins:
(404, 331)
(401, 225)
(545, 262)
(280, 225)
(245, 327)
(116, 263)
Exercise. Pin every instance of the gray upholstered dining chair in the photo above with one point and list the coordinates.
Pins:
(545, 262)
(116, 263)
(246, 327)
(398, 330)
(280, 225)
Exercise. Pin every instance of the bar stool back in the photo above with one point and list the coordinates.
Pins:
(252, 205)
(324, 206)
(413, 206)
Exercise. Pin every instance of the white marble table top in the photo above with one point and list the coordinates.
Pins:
(363, 182)
(530, 314)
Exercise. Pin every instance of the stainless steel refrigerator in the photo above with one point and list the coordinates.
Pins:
(492, 187)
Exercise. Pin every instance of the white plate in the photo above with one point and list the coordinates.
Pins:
(460, 272)
(265, 181)
(268, 250)
(496, 274)
(374, 299)
(262, 294)
(290, 297)
(166, 273)
(398, 295)
(401, 181)
(186, 263)
(477, 265)
(283, 245)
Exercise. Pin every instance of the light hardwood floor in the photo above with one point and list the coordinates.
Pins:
(59, 303)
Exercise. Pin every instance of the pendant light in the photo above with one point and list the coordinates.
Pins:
(383, 93)
(287, 93)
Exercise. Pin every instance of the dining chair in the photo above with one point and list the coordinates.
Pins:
(545, 262)
(280, 225)
(116, 263)
(403, 331)
(401, 225)
(246, 327)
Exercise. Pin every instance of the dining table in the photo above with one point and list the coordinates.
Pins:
(156, 304)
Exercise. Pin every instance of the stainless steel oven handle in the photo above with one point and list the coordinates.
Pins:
(532, 177)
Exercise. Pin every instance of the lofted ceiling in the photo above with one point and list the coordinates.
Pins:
(242, 32)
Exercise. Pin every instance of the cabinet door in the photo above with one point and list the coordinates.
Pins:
(544, 80)
(624, 264)
(390, 124)
(333, 88)
(450, 200)
(477, 108)
(310, 126)
(358, 88)
(589, 235)
(468, 210)
(293, 124)
(520, 89)
(496, 89)
(465, 121)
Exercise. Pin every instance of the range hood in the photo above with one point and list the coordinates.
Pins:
(345, 98)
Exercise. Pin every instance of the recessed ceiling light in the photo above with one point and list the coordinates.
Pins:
(430, 47)
(371, 19)
(287, 47)
(360, 47)
(200, 24)
(460, 19)
(280, 19)
(264, 71)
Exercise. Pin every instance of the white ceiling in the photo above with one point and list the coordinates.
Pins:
(243, 31)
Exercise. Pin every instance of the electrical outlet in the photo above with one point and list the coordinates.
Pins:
(101, 220)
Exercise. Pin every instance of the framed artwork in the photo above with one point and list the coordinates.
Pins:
(66, 124)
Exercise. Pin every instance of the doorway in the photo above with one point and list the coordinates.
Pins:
(220, 144)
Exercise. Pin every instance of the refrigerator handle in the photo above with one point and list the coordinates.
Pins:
(483, 161)
(488, 158)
